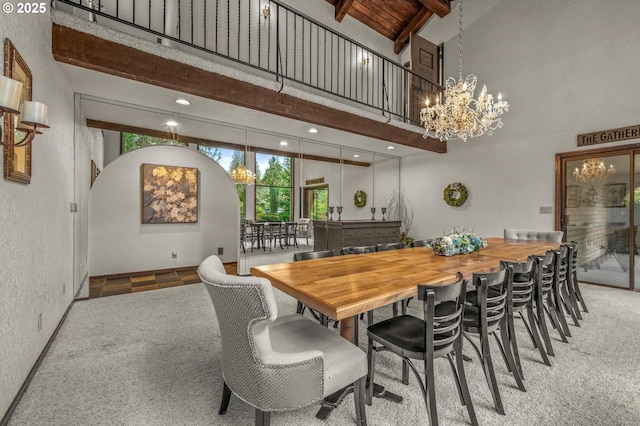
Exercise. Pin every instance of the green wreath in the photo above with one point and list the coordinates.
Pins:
(360, 198)
(455, 194)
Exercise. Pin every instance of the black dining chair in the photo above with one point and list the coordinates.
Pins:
(357, 250)
(524, 286)
(390, 246)
(559, 292)
(438, 334)
(544, 300)
(421, 243)
(486, 312)
(573, 274)
(308, 255)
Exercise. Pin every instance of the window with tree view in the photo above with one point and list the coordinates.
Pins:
(228, 159)
(132, 141)
(273, 187)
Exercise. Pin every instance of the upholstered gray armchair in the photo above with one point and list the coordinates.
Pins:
(277, 363)
(520, 234)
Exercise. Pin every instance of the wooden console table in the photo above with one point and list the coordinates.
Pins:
(335, 234)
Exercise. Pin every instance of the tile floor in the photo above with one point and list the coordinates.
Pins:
(143, 281)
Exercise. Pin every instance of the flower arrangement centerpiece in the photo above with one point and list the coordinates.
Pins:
(457, 243)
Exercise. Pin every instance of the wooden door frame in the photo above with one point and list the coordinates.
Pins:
(303, 196)
(631, 150)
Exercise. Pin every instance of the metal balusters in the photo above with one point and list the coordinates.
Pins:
(321, 58)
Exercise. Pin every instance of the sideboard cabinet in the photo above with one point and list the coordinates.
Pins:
(335, 234)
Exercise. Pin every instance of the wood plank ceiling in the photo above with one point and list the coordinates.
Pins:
(394, 19)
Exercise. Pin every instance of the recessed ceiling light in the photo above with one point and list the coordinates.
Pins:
(183, 102)
(356, 155)
(313, 130)
(171, 123)
(284, 143)
(391, 147)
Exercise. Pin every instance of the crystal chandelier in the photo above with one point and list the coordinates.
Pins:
(457, 115)
(593, 170)
(242, 176)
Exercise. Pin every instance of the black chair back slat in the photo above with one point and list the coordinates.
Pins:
(390, 246)
(357, 250)
(307, 255)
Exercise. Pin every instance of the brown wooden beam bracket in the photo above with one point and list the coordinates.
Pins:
(342, 8)
(414, 26)
(440, 7)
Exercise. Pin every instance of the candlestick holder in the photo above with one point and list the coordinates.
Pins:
(331, 213)
(373, 213)
(339, 209)
(384, 210)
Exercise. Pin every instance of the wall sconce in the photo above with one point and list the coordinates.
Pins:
(32, 115)
(266, 12)
(365, 61)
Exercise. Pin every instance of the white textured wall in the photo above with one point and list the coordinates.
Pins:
(119, 242)
(385, 172)
(111, 145)
(36, 229)
(89, 145)
(566, 68)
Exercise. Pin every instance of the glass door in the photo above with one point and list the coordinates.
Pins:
(316, 202)
(597, 215)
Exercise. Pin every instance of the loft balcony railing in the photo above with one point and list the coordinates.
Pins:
(274, 38)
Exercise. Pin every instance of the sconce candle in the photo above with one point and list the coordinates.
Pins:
(10, 91)
(34, 113)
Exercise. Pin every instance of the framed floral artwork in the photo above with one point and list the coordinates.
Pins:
(169, 194)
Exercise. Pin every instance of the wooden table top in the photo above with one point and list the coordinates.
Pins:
(344, 286)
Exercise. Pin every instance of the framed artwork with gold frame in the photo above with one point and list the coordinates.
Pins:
(169, 194)
(17, 159)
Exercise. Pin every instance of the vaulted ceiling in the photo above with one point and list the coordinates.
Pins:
(395, 19)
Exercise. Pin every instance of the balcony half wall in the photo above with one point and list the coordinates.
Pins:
(75, 47)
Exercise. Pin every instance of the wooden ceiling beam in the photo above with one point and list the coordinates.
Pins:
(440, 7)
(342, 8)
(414, 26)
(89, 51)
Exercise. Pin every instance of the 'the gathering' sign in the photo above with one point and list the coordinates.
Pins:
(606, 136)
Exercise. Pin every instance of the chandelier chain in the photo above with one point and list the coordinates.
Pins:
(460, 40)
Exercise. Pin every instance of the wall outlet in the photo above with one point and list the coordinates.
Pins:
(174, 254)
(546, 210)
(220, 251)
(39, 321)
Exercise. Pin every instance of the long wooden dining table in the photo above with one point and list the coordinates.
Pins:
(343, 287)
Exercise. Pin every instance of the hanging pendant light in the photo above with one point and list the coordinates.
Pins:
(240, 175)
(457, 115)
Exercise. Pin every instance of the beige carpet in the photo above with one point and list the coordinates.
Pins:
(152, 358)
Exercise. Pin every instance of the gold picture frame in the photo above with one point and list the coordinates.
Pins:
(169, 194)
(17, 159)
